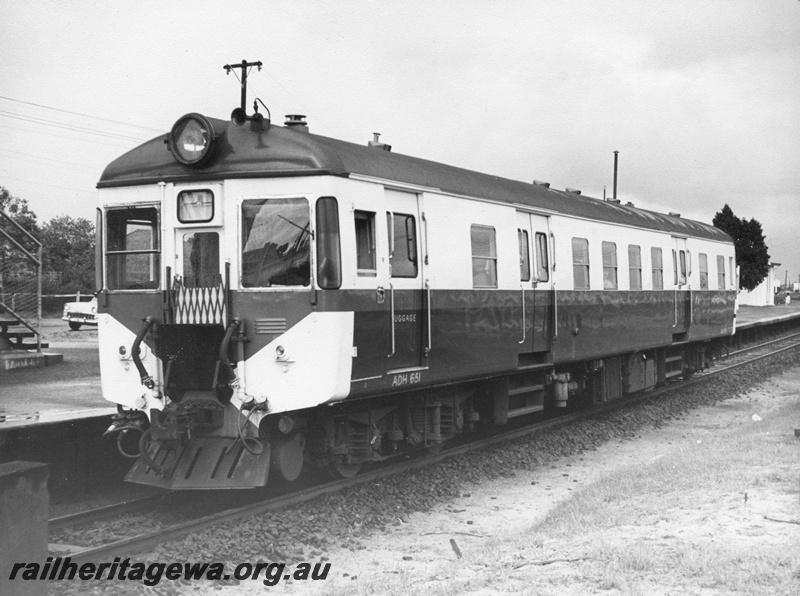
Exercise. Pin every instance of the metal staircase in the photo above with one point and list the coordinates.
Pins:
(20, 288)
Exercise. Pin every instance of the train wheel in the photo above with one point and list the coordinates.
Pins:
(287, 457)
(342, 470)
(434, 448)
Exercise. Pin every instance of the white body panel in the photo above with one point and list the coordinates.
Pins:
(119, 381)
(315, 368)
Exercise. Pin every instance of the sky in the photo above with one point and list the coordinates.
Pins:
(700, 97)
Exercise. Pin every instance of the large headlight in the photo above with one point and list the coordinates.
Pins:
(191, 140)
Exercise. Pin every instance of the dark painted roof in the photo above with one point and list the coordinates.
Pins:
(280, 151)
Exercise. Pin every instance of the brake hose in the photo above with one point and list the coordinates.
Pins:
(147, 380)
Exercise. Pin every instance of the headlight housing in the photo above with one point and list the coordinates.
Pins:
(192, 140)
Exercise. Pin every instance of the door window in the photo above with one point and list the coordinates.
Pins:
(524, 255)
(195, 206)
(542, 262)
(402, 244)
(201, 260)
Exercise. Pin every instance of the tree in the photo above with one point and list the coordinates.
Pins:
(19, 211)
(752, 255)
(14, 270)
(68, 251)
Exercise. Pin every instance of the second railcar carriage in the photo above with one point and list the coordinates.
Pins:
(271, 297)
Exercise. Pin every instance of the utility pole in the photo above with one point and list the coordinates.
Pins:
(244, 66)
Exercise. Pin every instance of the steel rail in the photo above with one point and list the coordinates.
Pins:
(762, 345)
(91, 515)
(146, 542)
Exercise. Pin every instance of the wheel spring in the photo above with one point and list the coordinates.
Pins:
(359, 441)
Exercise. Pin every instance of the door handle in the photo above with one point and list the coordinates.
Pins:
(380, 295)
(391, 315)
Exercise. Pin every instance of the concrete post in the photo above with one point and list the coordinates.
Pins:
(24, 509)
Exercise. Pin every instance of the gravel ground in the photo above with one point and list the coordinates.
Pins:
(329, 528)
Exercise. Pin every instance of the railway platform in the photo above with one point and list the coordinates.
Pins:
(754, 323)
(754, 316)
(59, 392)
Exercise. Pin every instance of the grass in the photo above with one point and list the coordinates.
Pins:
(678, 524)
(628, 519)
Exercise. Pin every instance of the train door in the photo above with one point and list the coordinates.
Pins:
(406, 341)
(198, 268)
(536, 284)
(681, 277)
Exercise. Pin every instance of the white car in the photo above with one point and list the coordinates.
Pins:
(80, 313)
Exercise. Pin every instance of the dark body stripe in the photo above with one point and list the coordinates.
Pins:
(474, 333)
(477, 333)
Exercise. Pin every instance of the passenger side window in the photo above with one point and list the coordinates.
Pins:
(484, 257)
(366, 263)
(609, 266)
(580, 263)
(658, 268)
(720, 272)
(703, 271)
(635, 266)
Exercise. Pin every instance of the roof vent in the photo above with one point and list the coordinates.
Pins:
(540, 183)
(673, 214)
(614, 201)
(629, 204)
(377, 144)
(572, 191)
(296, 122)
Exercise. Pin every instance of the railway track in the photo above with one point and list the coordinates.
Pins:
(148, 540)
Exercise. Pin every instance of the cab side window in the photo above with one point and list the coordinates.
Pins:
(366, 262)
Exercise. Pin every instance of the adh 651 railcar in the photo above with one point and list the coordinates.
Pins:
(271, 299)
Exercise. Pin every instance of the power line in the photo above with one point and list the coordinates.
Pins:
(93, 117)
(74, 127)
(68, 137)
(50, 185)
(70, 164)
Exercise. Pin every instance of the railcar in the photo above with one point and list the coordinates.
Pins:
(272, 299)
